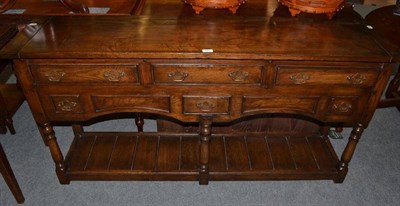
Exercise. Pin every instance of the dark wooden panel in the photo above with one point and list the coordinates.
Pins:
(80, 153)
(236, 154)
(321, 153)
(99, 158)
(168, 154)
(146, 152)
(217, 160)
(189, 154)
(259, 153)
(280, 153)
(302, 154)
(124, 150)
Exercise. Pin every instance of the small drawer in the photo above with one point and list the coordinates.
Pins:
(207, 73)
(325, 75)
(206, 104)
(344, 108)
(85, 73)
(67, 103)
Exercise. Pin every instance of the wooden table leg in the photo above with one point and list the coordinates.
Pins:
(9, 177)
(58, 158)
(205, 135)
(348, 152)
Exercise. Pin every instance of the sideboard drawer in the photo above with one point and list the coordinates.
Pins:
(325, 75)
(345, 108)
(206, 104)
(207, 73)
(280, 104)
(86, 73)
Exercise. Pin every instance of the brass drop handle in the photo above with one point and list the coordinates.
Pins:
(238, 75)
(114, 75)
(178, 76)
(55, 76)
(206, 106)
(67, 105)
(342, 107)
(356, 78)
(299, 78)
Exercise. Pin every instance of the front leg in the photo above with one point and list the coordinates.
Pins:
(348, 152)
(51, 140)
(205, 134)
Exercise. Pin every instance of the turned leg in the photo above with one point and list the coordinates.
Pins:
(9, 177)
(49, 136)
(139, 122)
(348, 152)
(43, 136)
(205, 134)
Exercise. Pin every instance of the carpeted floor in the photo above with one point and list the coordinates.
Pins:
(372, 178)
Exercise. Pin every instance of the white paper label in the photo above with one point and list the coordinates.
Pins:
(207, 50)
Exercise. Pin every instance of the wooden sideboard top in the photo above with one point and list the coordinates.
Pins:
(273, 36)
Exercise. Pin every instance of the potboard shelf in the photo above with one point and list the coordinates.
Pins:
(163, 156)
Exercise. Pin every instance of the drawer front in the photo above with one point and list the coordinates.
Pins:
(206, 104)
(158, 103)
(81, 105)
(85, 74)
(195, 73)
(325, 75)
(345, 108)
(280, 104)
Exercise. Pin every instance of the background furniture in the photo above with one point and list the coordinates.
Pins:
(11, 99)
(80, 7)
(386, 27)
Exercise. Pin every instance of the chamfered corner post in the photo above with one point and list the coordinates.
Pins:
(205, 136)
(348, 152)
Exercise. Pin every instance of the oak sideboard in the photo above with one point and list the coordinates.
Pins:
(204, 71)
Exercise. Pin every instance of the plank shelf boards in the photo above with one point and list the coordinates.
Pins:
(164, 156)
